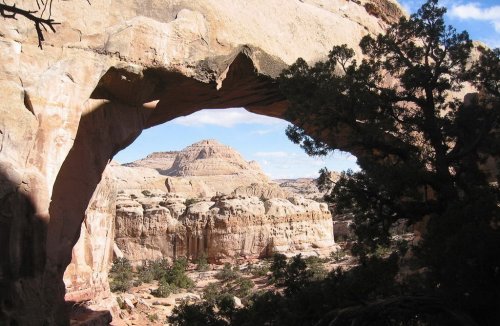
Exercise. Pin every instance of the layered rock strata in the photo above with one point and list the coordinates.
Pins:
(203, 169)
(152, 225)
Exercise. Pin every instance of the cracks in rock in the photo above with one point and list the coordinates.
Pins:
(70, 77)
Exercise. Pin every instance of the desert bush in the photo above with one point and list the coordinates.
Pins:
(164, 289)
(121, 275)
(202, 262)
(190, 201)
(153, 317)
(227, 273)
(260, 270)
(243, 288)
(338, 255)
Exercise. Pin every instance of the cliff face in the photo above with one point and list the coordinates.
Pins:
(151, 225)
(160, 161)
(86, 277)
(250, 217)
(203, 169)
(111, 70)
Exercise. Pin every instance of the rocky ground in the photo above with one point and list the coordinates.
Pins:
(140, 307)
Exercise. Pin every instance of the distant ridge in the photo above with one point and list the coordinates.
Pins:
(207, 157)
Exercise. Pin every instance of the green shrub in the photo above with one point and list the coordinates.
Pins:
(164, 289)
(201, 314)
(153, 269)
(202, 263)
(190, 201)
(145, 276)
(211, 292)
(153, 317)
(244, 287)
(338, 255)
(121, 275)
(227, 273)
(278, 268)
(260, 270)
(176, 274)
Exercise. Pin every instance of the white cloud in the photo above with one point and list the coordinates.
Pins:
(225, 118)
(287, 164)
(474, 11)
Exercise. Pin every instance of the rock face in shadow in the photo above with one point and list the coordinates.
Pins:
(112, 70)
(86, 277)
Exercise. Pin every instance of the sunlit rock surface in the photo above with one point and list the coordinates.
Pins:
(154, 225)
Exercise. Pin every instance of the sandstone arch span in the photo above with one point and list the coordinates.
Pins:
(107, 74)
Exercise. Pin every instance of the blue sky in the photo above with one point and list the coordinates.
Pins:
(254, 136)
(263, 138)
(480, 18)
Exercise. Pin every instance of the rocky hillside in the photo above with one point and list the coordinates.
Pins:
(203, 169)
(151, 225)
(210, 200)
(160, 161)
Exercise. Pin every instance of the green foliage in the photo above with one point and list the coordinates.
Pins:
(243, 287)
(202, 263)
(227, 273)
(190, 201)
(121, 275)
(202, 314)
(260, 270)
(338, 255)
(211, 292)
(296, 273)
(176, 274)
(419, 147)
(146, 273)
(153, 317)
(170, 277)
(278, 268)
(164, 289)
(218, 307)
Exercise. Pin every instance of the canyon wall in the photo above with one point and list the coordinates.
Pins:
(206, 199)
(151, 225)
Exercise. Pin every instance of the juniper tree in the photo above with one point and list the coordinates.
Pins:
(425, 153)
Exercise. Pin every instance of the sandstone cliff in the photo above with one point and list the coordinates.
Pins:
(111, 70)
(160, 161)
(192, 213)
(153, 225)
(203, 169)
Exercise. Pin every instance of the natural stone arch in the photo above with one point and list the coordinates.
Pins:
(115, 119)
(107, 75)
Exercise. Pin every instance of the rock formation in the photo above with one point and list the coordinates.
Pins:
(193, 214)
(160, 161)
(203, 169)
(151, 225)
(111, 70)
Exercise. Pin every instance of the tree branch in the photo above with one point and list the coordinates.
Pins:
(11, 12)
